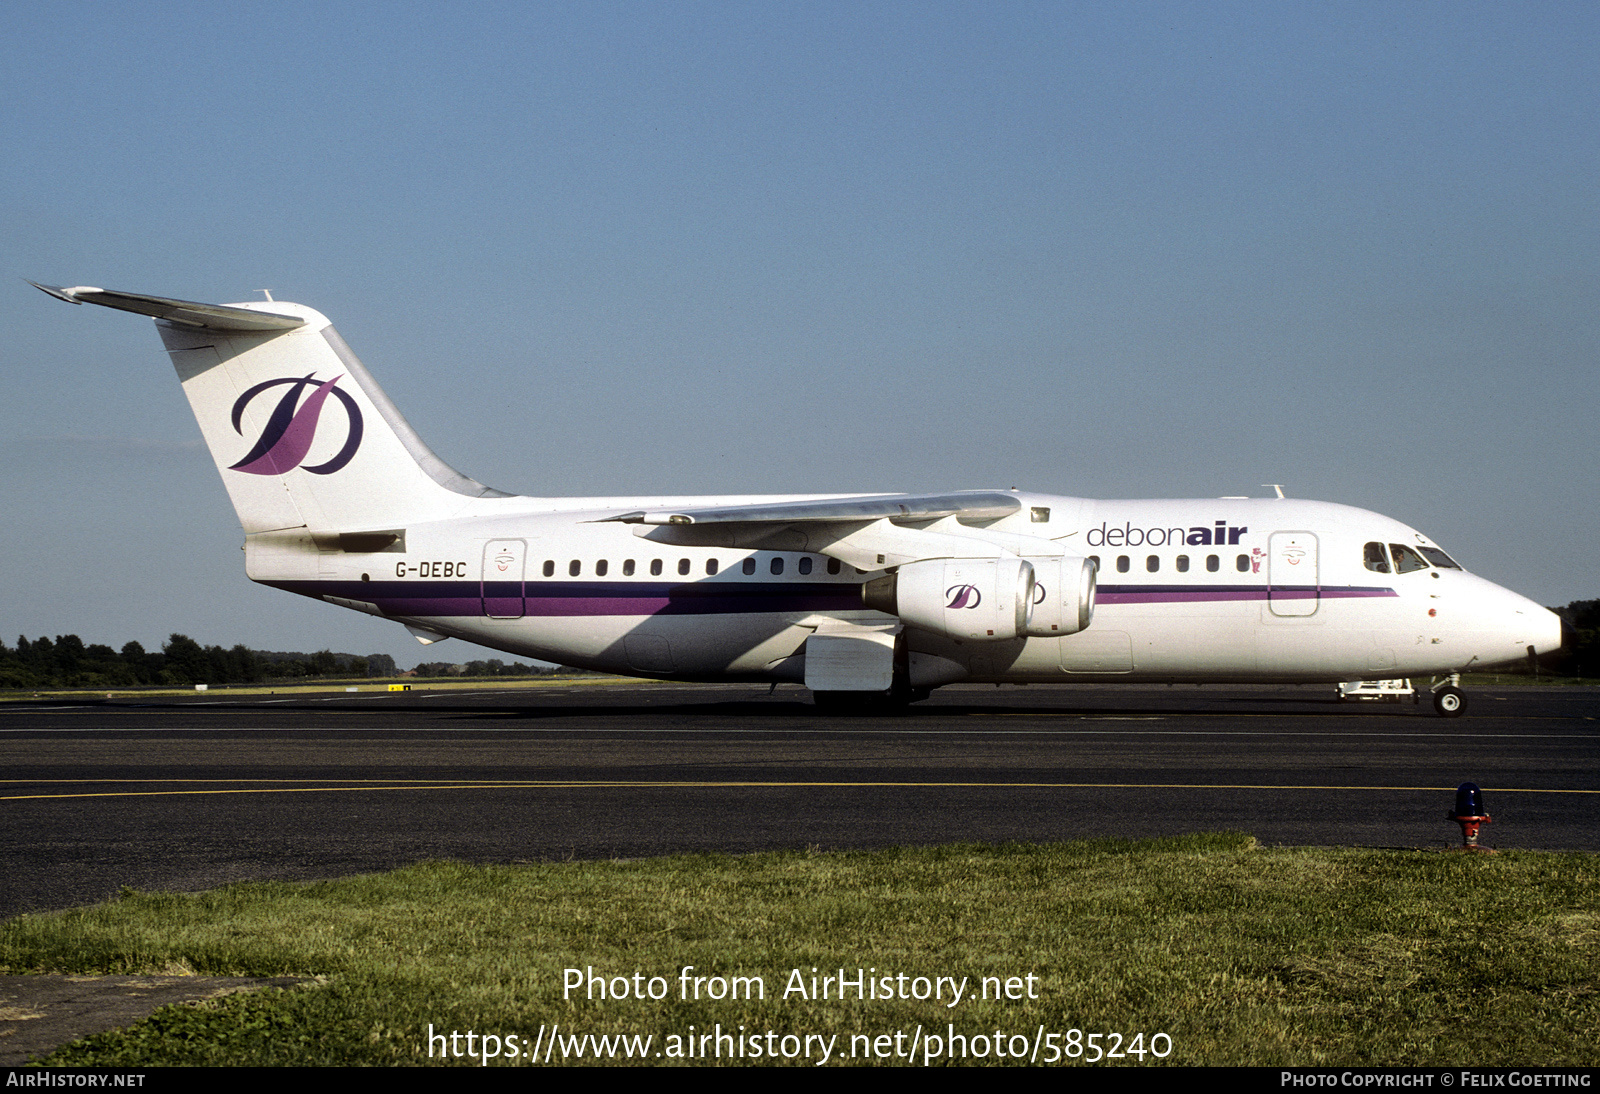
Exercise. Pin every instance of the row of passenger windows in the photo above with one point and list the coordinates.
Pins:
(1375, 556)
(602, 568)
(1152, 563)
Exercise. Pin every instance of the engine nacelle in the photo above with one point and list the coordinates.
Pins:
(982, 599)
(1063, 596)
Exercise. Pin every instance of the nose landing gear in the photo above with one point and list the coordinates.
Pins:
(1448, 698)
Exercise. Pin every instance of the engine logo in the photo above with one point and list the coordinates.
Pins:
(962, 596)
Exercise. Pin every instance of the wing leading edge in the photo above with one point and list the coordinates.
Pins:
(971, 505)
(869, 532)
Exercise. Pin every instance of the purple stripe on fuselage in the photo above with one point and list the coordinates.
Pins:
(427, 605)
(1197, 594)
(593, 598)
(593, 605)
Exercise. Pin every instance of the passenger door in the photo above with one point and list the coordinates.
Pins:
(502, 591)
(1294, 586)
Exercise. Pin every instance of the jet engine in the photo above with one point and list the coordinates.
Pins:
(989, 599)
(982, 599)
(1063, 596)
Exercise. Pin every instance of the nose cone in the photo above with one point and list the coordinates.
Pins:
(1551, 630)
(1508, 624)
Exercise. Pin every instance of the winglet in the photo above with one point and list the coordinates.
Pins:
(185, 313)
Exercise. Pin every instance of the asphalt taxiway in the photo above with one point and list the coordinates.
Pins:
(190, 794)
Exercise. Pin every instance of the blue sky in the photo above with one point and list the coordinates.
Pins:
(1134, 250)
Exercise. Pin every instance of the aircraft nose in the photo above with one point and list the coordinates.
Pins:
(1546, 631)
(1553, 659)
(1569, 635)
(1510, 625)
(1557, 633)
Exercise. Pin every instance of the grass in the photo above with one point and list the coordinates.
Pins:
(378, 685)
(1242, 955)
(1523, 680)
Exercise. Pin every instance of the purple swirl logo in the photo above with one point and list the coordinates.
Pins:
(962, 596)
(293, 426)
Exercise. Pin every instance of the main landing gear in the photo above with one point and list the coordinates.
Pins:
(893, 701)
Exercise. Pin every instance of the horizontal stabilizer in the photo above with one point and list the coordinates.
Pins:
(184, 312)
(966, 504)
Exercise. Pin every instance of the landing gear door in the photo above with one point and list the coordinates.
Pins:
(502, 589)
(1294, 586)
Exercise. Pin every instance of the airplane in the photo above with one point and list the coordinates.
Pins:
(871, 601)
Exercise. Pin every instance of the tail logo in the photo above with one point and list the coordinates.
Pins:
(287, 438)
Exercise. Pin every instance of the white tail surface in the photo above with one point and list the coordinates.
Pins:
(301, 434)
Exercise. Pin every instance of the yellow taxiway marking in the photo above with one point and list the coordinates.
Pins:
(626, 784)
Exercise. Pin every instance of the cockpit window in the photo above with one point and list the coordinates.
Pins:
(1372, 554)
(1439, 558)
(1406, 560)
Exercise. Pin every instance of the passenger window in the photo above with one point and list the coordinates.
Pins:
(574, 568)
(833, 565)
(711, 565)
(1183, 564)
(1096, 560)
(1405, 559)
(683, 566)
(1213, 564)
(1152, 563)
(601, 567)
(805, 564)
(655, 567)
(549, 567)
(1242, 564)
(777, 565)
(627, 568)
(749, 566)
(1376, 561)
(1122, 564)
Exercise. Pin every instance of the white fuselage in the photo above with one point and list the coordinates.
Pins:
(1208, 589)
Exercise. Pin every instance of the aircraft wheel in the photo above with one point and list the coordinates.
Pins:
(845, 702)
(1450, 702)
(859, 702)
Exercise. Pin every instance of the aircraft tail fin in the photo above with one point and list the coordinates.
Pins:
(300, 432)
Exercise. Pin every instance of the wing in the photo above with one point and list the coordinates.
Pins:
(869, 532)
(956, 567)
(962, 504)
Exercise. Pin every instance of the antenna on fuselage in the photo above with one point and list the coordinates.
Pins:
(1276, 486)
